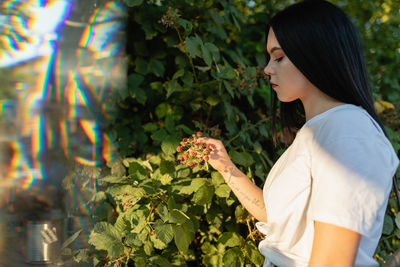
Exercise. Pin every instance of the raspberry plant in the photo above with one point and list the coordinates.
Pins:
(197, 66)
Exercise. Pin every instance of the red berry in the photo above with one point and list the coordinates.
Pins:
(179, 149)
(185, 157)
(185, 139)
(192, 153)
(199, 134)
(206, 158)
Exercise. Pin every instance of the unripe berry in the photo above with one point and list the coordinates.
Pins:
(199, 134)
(179, 149)
(206, 158)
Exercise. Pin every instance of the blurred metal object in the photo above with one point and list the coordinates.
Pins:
(37, 250)
(43, 241)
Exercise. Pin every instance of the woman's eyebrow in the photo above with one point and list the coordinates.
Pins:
(274, 48)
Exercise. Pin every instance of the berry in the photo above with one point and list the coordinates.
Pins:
(179, 149)
(199, 134)
(185, 139)
(206, 158)
(185, 157)
(202, 162)
(192, 153)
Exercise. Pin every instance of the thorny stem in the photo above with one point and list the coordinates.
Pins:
(187, 54)
(249, 228)
(127, 257)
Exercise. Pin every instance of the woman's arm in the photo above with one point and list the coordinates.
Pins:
(333, 246)
(250, 195)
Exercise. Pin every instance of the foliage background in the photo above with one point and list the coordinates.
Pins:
(200, 68)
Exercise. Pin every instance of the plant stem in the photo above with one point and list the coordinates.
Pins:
(187, 54)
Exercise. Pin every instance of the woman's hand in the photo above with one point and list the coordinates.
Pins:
(219, 158)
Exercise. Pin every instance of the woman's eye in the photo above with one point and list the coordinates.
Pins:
(278, 59)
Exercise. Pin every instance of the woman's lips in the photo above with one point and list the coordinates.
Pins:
(273, 85)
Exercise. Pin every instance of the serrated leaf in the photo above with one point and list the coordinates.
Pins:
(178, 74)
(150, 127)
(170, 124)
(217, 17)
(137, 171)
(178, 216)
(223, 191)
(166, 179)
(115, 180)
(159, 135)
(228, 88)
(132, 240)
(148, 247)
(241, 158)
(167, 167)
(169, 144)
(213, 50)
(253, 254)
(230, 239)
(233, 257)
(162, 211)
(157, 67)
(194, 185)
(164, 232)
(105, 237)
(193, 45)
(203, 195)
(206, 55)
(181, 238)
(141, 66)
(397, 220)
(217, 179)
(158, 244)
(388, 225)
(172, 87)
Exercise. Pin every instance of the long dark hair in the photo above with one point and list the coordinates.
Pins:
(322, 42)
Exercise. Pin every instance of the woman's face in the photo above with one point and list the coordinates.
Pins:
(288, 82)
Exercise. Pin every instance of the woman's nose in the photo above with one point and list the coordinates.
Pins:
(268, 70)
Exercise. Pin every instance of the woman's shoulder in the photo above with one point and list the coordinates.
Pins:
(343, 122)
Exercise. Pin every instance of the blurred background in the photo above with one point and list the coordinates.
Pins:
(61, 65)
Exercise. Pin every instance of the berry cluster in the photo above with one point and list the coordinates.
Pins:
(191, 153)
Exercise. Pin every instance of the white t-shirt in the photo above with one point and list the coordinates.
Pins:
(338, 170)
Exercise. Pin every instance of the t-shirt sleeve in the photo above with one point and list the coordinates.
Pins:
(351, 181)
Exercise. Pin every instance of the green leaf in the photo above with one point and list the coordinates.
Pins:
(178, 216)
(213, 50)
(195, 184)
(388, 225)
(193, 45)
(162, 110)
(213, 100)
(162, 211)
(178, 74)
(115, 180)
(233, 257)
(169, 144)
(169, 123)
(203, 195)
(217, 17)
(173, 86)
(148, 247)
(228, 87)
(164, 232)
(397, 220)
(157, 67)
(71, 239)
(181, 238)
(241, 158)
(217, 179)
(206, 55)
(223, 191)
(137, 171)
(253, 254)
(230, 239)
(105, 237)
(159, 135)
(150, 127)
(167, 167)
(187, 25)
(133, 3)
(158, 244)
(141, 66)
(134, 80)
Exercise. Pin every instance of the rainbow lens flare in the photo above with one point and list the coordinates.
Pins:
(61, 65)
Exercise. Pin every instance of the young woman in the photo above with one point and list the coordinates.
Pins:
(324, 200)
